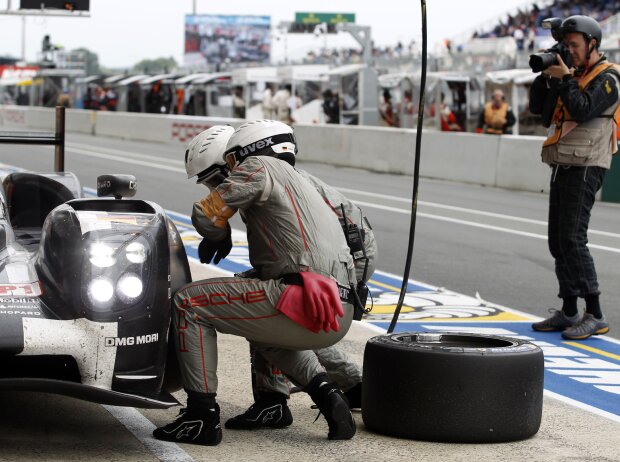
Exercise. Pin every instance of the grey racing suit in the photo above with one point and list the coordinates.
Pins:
(289, 230)
(338, 366)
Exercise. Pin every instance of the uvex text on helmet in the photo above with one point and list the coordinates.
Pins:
(585, 25)
(205, 151)
(260, 138)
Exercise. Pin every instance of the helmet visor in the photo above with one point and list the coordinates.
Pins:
(213, 176)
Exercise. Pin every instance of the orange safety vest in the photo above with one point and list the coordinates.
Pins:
(494, 117)
(562, 121)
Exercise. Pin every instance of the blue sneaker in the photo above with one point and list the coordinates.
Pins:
(558, 321)
(588, 326)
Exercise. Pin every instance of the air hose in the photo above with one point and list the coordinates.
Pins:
(416, 177)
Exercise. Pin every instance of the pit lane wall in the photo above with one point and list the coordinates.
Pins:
(511, 162)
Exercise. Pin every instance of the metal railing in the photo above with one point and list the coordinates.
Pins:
(56, 139)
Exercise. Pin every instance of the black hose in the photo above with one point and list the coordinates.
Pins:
(416, 176)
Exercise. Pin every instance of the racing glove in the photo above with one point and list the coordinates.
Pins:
(321, 301)
(209, 250)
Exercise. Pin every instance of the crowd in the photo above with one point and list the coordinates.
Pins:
(525, 26)
(342, 56)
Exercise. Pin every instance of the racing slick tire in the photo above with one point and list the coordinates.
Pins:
(452, 387)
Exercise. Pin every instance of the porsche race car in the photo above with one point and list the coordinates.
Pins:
(85, 290)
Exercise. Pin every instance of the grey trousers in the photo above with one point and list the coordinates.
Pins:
(341, 370)
(244, 307)
(337, 364)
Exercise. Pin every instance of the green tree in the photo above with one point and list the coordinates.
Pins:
(155, 66)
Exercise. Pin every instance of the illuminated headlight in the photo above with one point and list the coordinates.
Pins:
(136, 252)
(102, 255)
(101, 290)
(129, 287)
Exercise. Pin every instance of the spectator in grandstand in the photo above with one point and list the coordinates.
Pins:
(519, 37)
(497, 117)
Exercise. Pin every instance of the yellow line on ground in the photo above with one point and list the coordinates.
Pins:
(386, 286)
(593, 350)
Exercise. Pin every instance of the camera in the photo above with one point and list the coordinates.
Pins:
(541, 61)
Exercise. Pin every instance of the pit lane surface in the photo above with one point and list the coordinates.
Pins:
(469, 239)
(461, 244)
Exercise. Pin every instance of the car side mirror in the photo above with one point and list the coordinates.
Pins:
(118, 186)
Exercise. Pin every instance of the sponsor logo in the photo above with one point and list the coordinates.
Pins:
(29, 289)
(256, 146)
(21, 300)
(20, 312)
(131, 341)
(214, 299)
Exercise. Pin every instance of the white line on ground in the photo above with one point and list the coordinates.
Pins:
(583, 406)
(474, 224)
(464, 209)
(142, 428)
(78, 146)
(150, 163)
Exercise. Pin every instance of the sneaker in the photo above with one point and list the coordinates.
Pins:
(333, 405)
(558, 321)
(270, 411)
(194, 427)
(354, 397)
(588, 326)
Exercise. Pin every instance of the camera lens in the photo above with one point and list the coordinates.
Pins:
(541, 61)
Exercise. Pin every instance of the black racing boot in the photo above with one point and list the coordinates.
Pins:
(333, 405)
(269, 411)
(199, 423)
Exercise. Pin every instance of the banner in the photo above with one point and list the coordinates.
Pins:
(216, 40)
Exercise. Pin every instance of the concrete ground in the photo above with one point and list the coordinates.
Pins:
(44, 427)
(566, 433)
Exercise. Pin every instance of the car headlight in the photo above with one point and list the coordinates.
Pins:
(129, 287)
(102, 255)
(117, 267)
(101, 290)
(136, 252)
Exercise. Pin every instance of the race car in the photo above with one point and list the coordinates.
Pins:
(85, 291)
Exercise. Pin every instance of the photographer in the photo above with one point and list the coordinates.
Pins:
(582, 138)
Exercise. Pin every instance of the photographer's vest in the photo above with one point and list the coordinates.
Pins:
(495, 117)
(586, 144)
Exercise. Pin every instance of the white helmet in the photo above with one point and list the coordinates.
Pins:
(205, 151)
(260, 138)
